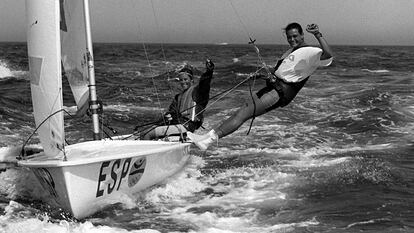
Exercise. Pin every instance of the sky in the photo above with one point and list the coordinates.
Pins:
(342, 22)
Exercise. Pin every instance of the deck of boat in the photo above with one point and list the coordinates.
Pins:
(97, 151)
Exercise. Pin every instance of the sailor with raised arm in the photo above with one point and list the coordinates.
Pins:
(187, 108)
(283, 83)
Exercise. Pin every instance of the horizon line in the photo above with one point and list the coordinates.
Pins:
(220, 43)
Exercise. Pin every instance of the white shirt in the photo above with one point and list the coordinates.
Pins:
(301, 63)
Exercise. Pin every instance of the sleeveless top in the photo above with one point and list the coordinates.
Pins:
(293, 71)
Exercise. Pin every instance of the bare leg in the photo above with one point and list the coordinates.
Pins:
(254, 107)
(258, 107)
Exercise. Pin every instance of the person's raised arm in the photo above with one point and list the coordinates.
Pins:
(327, 52)
(208, 74)
(202, 91)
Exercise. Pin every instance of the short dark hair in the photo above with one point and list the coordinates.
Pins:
(187, 70)
(294, 26)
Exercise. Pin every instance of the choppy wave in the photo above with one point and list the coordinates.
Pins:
(4, 70)
(42, 223)
(7, 72)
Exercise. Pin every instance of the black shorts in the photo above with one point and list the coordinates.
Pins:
(286, 91)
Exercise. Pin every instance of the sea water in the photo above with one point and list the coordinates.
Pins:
(339, 158)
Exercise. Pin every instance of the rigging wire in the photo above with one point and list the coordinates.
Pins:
(56, 112)
(226, 92)
(260, 58)
(21, 156)
(157, 24)
(222, 94)
(167, 71)
(251, 40)
(149, 62)
(158, 32)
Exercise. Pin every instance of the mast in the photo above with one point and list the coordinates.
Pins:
(94, 106)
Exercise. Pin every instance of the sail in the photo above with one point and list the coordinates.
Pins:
(43, 43)
(72, 29)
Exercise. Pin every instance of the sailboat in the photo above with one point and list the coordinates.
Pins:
(87, 176)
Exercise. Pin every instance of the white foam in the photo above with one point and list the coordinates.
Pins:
(376, 71)
(238, 189)
(304, 157)
(9, 154)
(240, 197)
(18, 183)
(4, 70)
(179, 186)
(117, 107)
(129, 107)
(209, 222)
(42, 224)
(290, 227)
(368, 222)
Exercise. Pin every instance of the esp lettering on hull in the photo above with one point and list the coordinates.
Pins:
(111, 175)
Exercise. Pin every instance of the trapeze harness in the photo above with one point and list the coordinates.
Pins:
(286, 90)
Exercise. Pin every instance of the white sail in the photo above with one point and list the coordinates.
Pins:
(43, 42)
(72, 26)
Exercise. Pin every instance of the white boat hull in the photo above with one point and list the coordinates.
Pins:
(98, 173)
